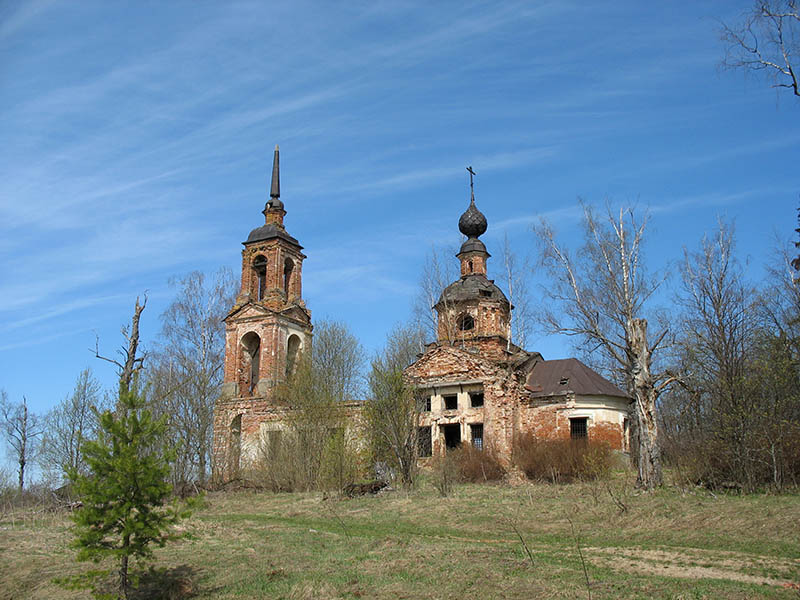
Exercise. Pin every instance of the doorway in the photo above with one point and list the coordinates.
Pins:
(452, 435)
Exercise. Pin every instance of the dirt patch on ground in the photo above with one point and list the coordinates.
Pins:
(692, 563)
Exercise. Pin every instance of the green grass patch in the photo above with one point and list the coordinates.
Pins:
(670, 544)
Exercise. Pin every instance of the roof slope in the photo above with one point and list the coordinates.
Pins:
(557, 377)
(471, 287)
(269, 231)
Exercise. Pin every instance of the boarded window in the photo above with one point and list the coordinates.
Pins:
(476, 431)
(424, 445)
(578, 428)
(476, 399)
(450, 402)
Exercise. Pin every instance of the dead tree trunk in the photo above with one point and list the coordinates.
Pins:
(23, 443)
(642, 390)
(132, 364)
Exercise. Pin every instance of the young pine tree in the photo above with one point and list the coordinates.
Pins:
(125, 490)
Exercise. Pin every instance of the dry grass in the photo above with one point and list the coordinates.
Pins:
(671, 544)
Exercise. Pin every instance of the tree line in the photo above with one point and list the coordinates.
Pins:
(711, 362)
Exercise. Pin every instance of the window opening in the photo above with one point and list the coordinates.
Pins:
(452, 435)
(476, 399)
(486, 293)
(260, 268)
(235, 445)
(251, 345)
(424, 404)
(424, 445)
(469, 263)
(288, 267)
(466, 322)
(476, 432)
(450, 402)
(272, 443)
(292, 349)
(578, 428)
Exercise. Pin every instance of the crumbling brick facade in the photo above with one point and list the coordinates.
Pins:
(266, 332)
(474, 386)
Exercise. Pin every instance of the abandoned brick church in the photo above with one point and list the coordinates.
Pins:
(476, 387)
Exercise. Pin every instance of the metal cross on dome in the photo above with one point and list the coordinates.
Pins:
(471, 184)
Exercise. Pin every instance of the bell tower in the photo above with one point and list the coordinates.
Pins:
(266, 332)
(473, 310)
(269, 326)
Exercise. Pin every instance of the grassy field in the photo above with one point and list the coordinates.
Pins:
(670, 544)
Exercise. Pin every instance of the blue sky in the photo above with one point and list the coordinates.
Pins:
(137, 145)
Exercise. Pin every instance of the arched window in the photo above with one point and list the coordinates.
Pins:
(465, 322)
(292, 350)
(251, 358)
(260, 271)
(469, 263)
(288, 267)
(235, 445)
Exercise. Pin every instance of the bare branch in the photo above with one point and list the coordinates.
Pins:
(767, 40)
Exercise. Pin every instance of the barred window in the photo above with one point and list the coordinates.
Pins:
(424, 446)
(476, 429)
(578, 429)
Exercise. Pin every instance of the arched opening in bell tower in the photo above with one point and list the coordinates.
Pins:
(251, 358)
(288, 267)
(260, 272)
(292, 351)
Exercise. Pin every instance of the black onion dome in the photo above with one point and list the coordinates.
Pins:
(472, 223)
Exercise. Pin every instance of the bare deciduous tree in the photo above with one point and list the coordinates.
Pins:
(68, 425)
(316, 450)
(735, 416)
(338, 360)
(600, 296)
(21, 429)
(392, 409)
(438, 272)
(768, 41)
(516, 276)
(186, 368)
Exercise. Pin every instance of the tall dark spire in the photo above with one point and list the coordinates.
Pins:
(275, 189)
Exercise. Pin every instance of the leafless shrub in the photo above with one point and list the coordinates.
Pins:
(561, 461)
(445, 473)
(477, 466)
